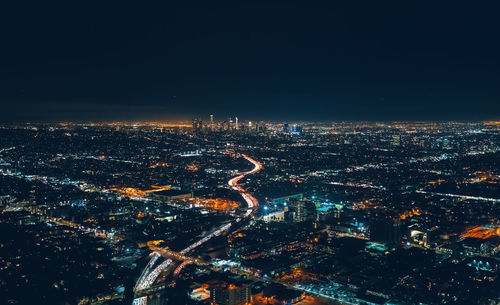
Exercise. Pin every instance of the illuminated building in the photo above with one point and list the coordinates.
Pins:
(298, 129)
(197, 125)
(276, 216)
(300, 210)
(306, 211)
(483, 264)
(222, 293)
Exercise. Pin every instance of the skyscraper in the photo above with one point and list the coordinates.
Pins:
(197, 125)
(300, 210)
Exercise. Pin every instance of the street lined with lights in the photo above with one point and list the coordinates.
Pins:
(149, 275)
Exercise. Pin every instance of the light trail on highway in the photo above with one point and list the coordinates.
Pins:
(465, 197)
(251, 201)
(148, 277)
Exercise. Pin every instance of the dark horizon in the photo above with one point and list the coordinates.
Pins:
(272, 61)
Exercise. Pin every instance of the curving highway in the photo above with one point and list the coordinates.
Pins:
(149, 275)
(252, 203)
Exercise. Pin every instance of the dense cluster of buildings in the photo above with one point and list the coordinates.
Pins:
(353, 213)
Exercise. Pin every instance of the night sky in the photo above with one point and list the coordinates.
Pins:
(279, 60)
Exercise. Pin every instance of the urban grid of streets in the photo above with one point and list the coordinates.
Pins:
(412, 207)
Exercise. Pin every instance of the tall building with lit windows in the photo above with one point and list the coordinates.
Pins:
(222, 293)
(300, 210)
